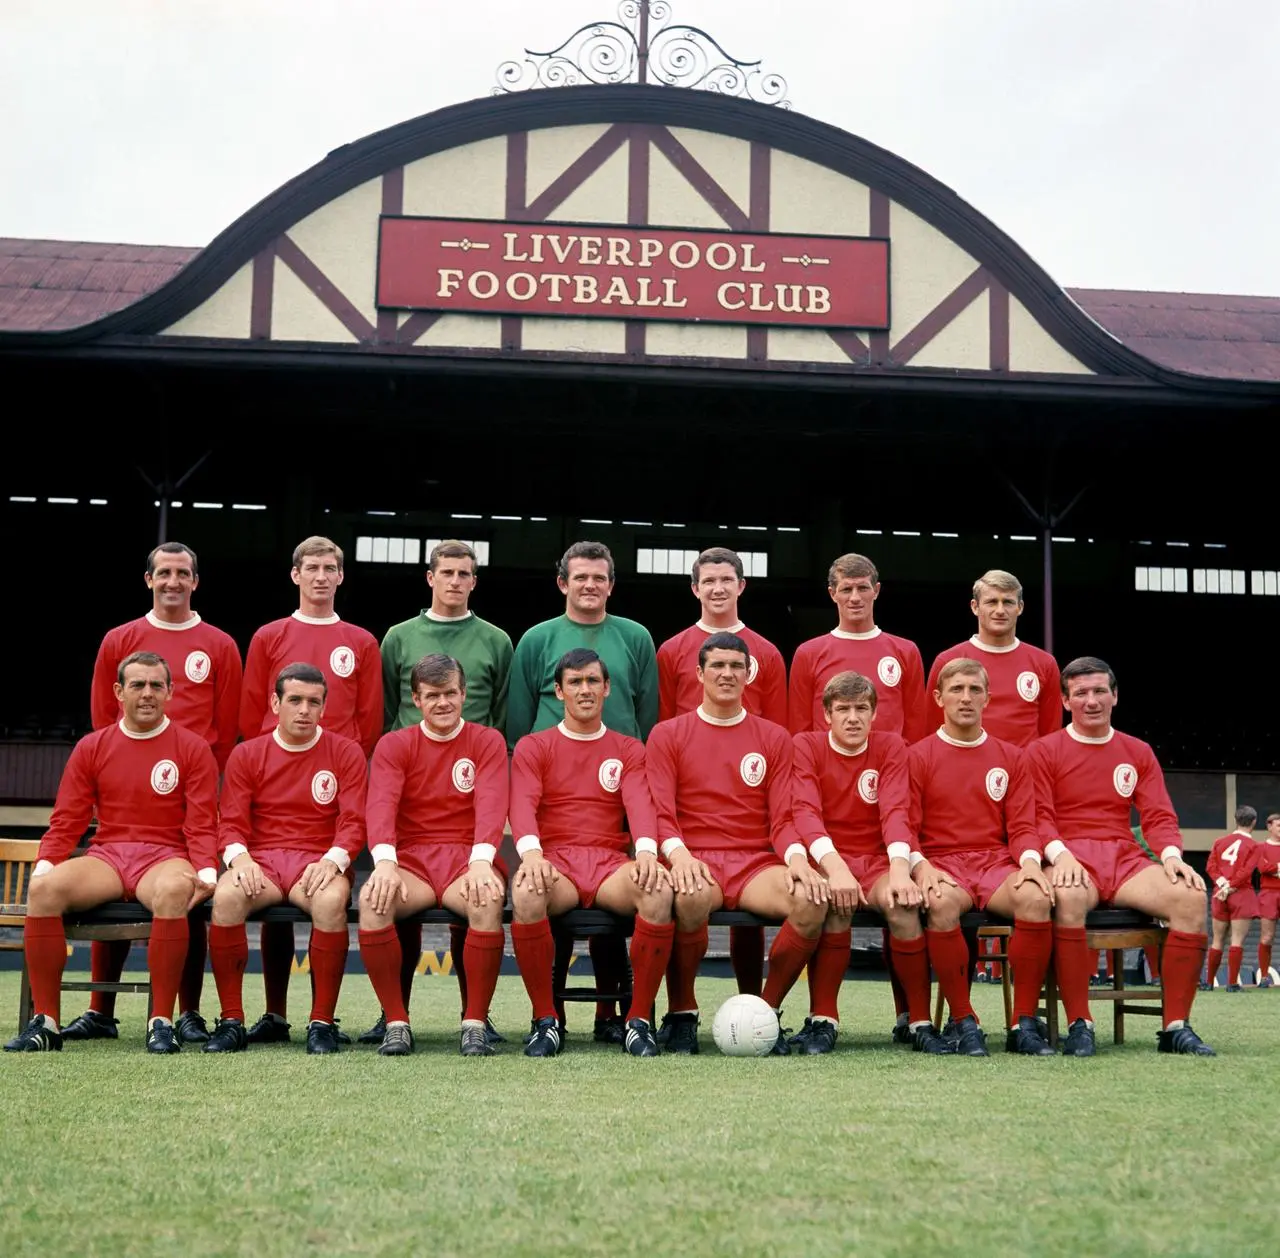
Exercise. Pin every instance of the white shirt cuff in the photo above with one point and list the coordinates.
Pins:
(41, 867)
(915, 858)
(794, 849)
(899, 851)
(340, 857)
(670, 845)
(647, 845)
(821, 847)
(1053, 849)
(208, 876)
(1171, 849)
(384, 852)
(231, 851)
(528, 843)
(482, 852)
(1031, 854)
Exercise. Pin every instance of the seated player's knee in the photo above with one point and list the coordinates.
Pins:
(836, 921)
(1031, 904)
(1070, 906)
(329, 905)
(944, 914)
(692, 909)
(45, 898)
(487, 917)
(171, 894)
(230, 905)
(1186, 908)
(655, 905)
(527, 905)
(806, 918)
(903, 923)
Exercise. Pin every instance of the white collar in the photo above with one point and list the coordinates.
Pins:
(155, 733)
(975, 641)
(280, 742)
(316, 620)
(1084, 738)
(156, 623)
(448, 620)
(1243, 833)
(440, 738)
(721, 720)
(706, 628)
(955, 742)
(582, 738)
(840, 751)
(873, 632)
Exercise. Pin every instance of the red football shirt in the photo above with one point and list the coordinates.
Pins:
(722, 786)
(679, 689)
(890, 663)
(1026, 695)
(157, 788)
(971, 796)
(577, 789)
(1232, 857)
(205, 664)
(859, 800)
(1267, 862)
(424, 788)
(306, 799)
(1087, 788)
(347, 655)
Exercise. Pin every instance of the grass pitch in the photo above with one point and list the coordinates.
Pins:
(872, 1150)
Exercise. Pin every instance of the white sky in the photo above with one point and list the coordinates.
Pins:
(1123, 143)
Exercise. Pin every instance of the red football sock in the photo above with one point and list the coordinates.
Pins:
(609, 966)
(1073, 962)
(1030, 951)
(1264, 960)
(229, 952)
(106, 965)
(788, 956)
(44, 940)
(276, 942)
(166, 957)
(911, 961)
(410, 936)
(650, 951)
(826, 973)
(1152, 954)
(901, 1004)
(380, 951)
(535, 951)
(1215, 964)
(458, 953)
(1183, 957)
(1234, 957)
(328, 954)
(746, 956)
(687, 950)
(191, 978)
(484, 960)
(949, 955)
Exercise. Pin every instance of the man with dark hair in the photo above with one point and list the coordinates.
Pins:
(718, 583)
(585, 576)
(1089, 777)
(1267, 860)
(572, 786)
(207, 676)
(347, 656)
(448, 627)
(153, 785)
(721, 782)
(1232, 902)
(437, 807)
(292, 821)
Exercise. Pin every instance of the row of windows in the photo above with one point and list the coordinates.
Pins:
(1205, 581)
(408, 550)
(679, 563)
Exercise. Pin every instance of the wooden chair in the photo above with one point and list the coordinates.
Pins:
(999, 954)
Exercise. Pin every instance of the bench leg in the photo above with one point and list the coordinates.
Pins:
(1116, 961)
(1051, 1006)
(25, 1010)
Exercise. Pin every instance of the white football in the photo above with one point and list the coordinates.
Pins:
(745, 1026)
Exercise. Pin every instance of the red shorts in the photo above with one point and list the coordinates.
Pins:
(1269, 905)
(979, 874)
(439, 865)
(284, 865)
(867, 869)
(132, 860)
(1241, 905)
(1110, 863)
(733, 870)
(586, 867)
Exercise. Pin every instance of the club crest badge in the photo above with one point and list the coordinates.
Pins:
(869, 785)
(753, 670)
(997, 783)
(1125, 777)
(753, 768)
(324, 787)
(611, 775)
(164, 777)
(889, 670)
(197, 667)
(342, 659)
(1028, 686)
(464, 775)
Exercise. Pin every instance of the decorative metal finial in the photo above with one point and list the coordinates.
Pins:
(632, 51)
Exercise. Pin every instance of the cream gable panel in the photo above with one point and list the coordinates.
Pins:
(575, 336)
(806, 198)
(466, 182)
(297, 314)
(1031, 348)
(459, 331)
(965, 343)
(804, 345)
(602, 198)
(223, 314)
(725, 159)
(696, 340)
(924, 266)
(341, 238)
(673, 201)
(552, 150)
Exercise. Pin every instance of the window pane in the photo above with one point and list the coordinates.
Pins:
(395, 550)
(1237, 580)
(644, 559)
(1197, 581)
(675, 562)
(1180, 580)
(482, 554)
(1166, 580)
(1211, 580)
(364, 549)
(1269, 582)
(759, 564)
(379, 550)
(412, 550)
(1153, 580)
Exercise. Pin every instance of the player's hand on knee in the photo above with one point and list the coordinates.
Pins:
(1069, 872)
(1030, 871)
(648, 874)
(481, 885)
(384, 888)
(318, 875)
(688, 874)
(931, 880)
(1177, 868)
(246, 873)
(844, 890)
(900, 890)
(806, 882)
(200, 890)
(536, 872)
